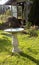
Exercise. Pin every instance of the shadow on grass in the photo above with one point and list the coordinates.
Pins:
(24, 55)
(33, 51)
(29, 57)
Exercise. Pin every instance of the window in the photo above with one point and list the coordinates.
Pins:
(19, 12)
(14, 11)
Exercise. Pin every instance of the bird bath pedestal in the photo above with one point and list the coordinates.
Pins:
(14, 32)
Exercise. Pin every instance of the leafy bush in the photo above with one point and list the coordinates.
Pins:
(11, 22)
(33, 32)
(28, 25)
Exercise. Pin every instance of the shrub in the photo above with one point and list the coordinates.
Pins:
(11, 22)
(33, 32)
(28, 25)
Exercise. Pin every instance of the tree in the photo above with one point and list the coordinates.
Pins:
(34, 13)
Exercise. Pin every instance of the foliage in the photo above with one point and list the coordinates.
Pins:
(34, 13)
(4, 16)
(33, 32)
(28, 25)
(8, 12)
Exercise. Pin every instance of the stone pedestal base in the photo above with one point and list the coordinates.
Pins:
(15, 43)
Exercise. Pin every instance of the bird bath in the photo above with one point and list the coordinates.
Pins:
(14, 32)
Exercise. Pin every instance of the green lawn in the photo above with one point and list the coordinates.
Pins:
(28, 45)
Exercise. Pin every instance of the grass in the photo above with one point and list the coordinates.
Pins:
(28, 45)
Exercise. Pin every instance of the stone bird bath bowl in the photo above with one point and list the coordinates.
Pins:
(14, 32)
